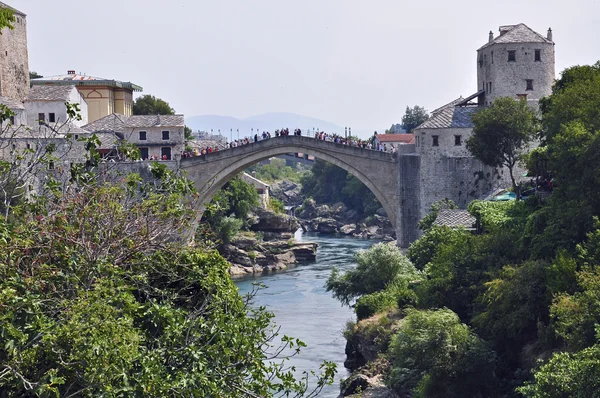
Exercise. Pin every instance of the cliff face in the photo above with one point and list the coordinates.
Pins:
(366, 341)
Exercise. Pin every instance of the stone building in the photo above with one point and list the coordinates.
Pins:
(103, 96)
(519, 63)
(156, 136)
(46, 104)
(14, 59)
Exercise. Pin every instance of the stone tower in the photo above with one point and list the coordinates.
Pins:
(14, 59)
(519, 63)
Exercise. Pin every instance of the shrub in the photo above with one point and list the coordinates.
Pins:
(228, 228)
(276, 205)
(378, 267)
(434, 355)
(370, 304)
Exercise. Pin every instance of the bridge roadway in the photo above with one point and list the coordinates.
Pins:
(379, 171)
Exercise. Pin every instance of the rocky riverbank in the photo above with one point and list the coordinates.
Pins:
(269, 246)
(339, 219)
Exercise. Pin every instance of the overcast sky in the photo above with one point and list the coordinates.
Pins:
(356, 63)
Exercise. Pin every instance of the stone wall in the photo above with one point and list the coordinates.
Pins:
(14, 60)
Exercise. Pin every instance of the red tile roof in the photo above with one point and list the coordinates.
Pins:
(396, 138)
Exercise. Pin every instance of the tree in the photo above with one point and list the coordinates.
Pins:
(34, 75)
(413, 117)
(378, 267)
(100, 296)
(434, 355)
(501, 134)
(151, 105)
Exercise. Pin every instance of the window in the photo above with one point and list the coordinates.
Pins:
(12, 120)
(143, 136)
(76, 136)
(165, 153)
(28, 146)
(492, 54)
(144, 153)
(490, 87)
(41, 118)
(458, 140)
(512, 56)
(165, 135)
(51, 117)
(538, 55)
(529, 84)
(436, 141)
(51, 165)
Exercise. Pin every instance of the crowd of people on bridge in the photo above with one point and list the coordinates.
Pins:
(370, 143)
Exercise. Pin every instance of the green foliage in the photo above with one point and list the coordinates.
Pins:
(377, 268)
(502, 132)
(370, 304)
(442, 204)
(7, 18)
(491, 216)
(434, 355)
(187, 132)
(423, 250)
(236, 198)
(150, 105)
(413, 117)
(567, 375)
(228, 228)
(327, 183)
(276, 205)
(34, 75)
(100, 297)
(515, 301)
(276, 170)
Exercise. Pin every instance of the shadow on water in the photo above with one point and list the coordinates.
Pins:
(302, 307)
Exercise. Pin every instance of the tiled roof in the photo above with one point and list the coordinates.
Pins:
(43, 131)
(401, 138)
(49, 93)
(82, 80)
(520, 33)
(455, 219)
(10, 103)
(120, 123)
(450, 116)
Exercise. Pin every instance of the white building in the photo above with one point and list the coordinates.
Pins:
(46, 104)
(156, 136)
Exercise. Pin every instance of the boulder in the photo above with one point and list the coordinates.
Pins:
(348, 229)
(324, 225)
(354, 384)
(272, 236)
(308, 209)
(381, 212)
(350, 216)
(244, 242)
(324, 211)
(273, 222)
(305, 252)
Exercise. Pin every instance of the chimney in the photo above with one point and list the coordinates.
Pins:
(549, 36)
(491, 36)
(70, 72)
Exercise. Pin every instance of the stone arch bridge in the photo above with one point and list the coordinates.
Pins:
(389, 176)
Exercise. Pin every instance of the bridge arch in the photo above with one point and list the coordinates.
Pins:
(377, 170)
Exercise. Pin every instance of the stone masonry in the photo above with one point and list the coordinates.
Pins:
(14, 60)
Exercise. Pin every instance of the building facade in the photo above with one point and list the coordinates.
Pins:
(103, 96)
(519, 63)
(159, 137)
(46, 104)
(14, 59)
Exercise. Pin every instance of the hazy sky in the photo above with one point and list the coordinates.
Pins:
(356, 63)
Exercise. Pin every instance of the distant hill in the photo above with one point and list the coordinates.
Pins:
(265, 122)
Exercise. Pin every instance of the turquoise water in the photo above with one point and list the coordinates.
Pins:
(304, 310)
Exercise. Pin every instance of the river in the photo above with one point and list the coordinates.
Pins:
(304, 310)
